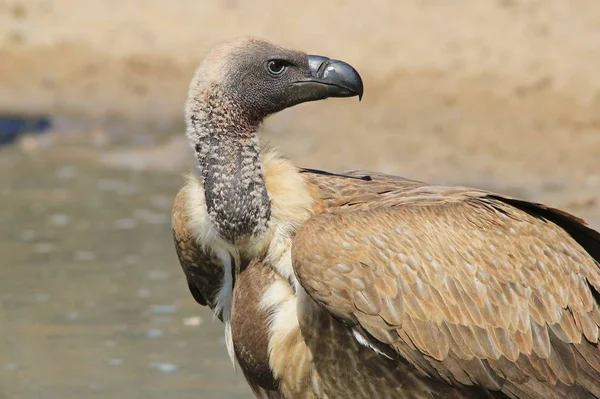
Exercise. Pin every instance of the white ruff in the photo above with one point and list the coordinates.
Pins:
(290, 204)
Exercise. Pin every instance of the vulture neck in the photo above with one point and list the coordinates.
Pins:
(225, 142)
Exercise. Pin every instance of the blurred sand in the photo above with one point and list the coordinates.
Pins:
(76, 56)
(498, 94)
(505, 88)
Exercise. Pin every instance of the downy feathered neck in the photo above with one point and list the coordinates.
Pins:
(224, 140)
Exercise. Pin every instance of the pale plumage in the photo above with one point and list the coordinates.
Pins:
(367, 285)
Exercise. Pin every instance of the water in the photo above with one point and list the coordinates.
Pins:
(12, 126)
(93, 303)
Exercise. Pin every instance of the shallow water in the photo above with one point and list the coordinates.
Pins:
(92, 301)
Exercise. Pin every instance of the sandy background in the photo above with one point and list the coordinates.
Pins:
(473, 90)
(497, 94)
(57, 53)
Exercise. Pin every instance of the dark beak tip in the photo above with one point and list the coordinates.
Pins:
(360, 88)
(348, 77)
(341, 78)
(359, 91)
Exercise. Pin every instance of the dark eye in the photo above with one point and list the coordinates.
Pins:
(276, 67)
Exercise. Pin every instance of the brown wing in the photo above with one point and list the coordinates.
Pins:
(354, 189)
(250, 328)
(469, 287)
(202, 270)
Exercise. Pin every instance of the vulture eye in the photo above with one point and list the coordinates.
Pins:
(276, 67)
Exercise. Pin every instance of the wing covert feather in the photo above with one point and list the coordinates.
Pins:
(203, 272)
(463, 277)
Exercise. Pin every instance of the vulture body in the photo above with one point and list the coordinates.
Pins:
(365, 285)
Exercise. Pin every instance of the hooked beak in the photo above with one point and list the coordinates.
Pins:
(330, 78)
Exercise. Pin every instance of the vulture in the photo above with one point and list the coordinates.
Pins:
(368, 285)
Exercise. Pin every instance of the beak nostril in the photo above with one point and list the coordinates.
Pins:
(323, 68)
(316, 63)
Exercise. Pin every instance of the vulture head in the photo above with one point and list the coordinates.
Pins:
(237, 85)
(252, 78)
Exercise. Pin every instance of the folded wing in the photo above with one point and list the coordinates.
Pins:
(470, 287)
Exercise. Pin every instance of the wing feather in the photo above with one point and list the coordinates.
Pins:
(202, 269)
(485, 289)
